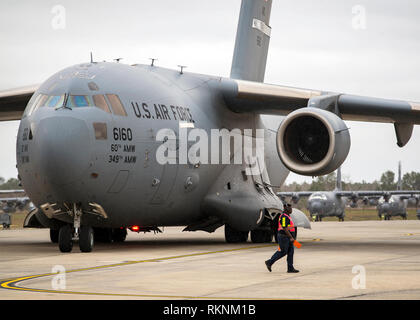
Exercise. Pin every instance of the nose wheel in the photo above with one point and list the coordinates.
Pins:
(68, 233)
(65, 238)
(86, 239)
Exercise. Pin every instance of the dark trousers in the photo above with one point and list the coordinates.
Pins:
(286, 248)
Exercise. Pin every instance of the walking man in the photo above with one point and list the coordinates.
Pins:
(285, 239)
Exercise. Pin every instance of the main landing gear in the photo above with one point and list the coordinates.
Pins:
(257, 236)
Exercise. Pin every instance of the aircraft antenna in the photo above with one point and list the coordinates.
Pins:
(153, 61)
(399, 185)
(182, 69)
(338, 182)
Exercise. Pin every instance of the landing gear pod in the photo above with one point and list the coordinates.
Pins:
(312, 141)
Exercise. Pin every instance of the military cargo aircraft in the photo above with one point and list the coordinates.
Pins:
(394, 203)
(329, 203)
(103, 147)
(333, 203)
(9, 205)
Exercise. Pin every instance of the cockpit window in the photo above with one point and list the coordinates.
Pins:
(116, 105)
(319, 196)
(32, 102)
(100, 102)
(40, 102)
(54, 101)
(79, 101)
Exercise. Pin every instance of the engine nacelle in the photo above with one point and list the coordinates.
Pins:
(295, 198)
(312, 141)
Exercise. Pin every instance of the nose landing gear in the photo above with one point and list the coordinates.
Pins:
(84, 234)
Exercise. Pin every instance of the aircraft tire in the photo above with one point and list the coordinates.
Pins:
(65, 238)
(54, 235)
(235, 236)
(119, 235)
(86, 239)
(261, 236)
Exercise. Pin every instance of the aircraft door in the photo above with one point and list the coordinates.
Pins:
(168, 172)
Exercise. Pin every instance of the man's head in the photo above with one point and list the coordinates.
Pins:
(287, 208)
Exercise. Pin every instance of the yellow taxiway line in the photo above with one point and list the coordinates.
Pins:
(12, 284)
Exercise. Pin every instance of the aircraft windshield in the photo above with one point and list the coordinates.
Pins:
(54, 101)
(79, 101)
(318, 196)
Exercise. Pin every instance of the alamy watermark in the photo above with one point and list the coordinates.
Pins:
(359, 20)
(359, 280)
(58, 282)
(58, 20)
(223, 146)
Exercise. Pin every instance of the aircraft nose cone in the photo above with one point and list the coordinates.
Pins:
(385, 207)
(63, 149)
(315, 207)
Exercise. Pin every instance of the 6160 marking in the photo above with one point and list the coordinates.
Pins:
(123, 134)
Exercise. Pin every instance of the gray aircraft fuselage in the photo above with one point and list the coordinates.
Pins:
(86, 155)
(326, 204)
(395, 206)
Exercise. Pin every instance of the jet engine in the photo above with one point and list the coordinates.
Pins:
(295, 198)
(312, 141)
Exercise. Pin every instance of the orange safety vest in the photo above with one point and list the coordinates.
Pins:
(282, 223)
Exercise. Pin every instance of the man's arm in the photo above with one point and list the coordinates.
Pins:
(286, 230)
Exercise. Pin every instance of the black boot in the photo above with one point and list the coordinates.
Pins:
(292, 271)
(268, 265)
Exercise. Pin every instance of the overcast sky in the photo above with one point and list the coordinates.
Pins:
(360, 47)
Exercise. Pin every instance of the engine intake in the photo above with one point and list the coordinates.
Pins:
(313, 142)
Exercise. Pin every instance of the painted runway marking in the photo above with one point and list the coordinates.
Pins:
(12, 284)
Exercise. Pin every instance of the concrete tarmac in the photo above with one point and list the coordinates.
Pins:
(338, 260)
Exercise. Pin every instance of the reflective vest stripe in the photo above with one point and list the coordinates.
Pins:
(282, 222)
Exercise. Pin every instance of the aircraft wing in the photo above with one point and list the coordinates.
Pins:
(12, 191)
(14, 199)
(295, 196)
(292, 194)
(359, 194)
(14, 101)
(247, 96)
(403, 192)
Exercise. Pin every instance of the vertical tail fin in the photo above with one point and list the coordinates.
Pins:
(399, 184)
(252, 41)
(338, 182)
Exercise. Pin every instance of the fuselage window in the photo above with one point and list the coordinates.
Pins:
(79, 101)
(100, 102)
(116, 105)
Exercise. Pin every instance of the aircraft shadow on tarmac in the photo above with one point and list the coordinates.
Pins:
(220, 244)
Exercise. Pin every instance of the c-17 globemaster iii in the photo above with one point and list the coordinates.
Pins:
(10, 201)
(333, 203)
(394, 203)
(103, 147)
